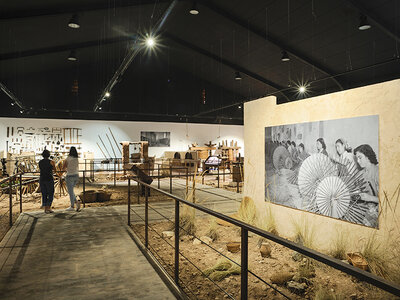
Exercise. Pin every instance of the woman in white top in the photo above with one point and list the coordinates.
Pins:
(72, 167)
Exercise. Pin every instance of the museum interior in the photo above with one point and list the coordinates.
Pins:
(209, 149)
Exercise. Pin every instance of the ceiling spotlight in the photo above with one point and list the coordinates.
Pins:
(107, 95)
(72, 56)
(12, 103)
(302, 89)
(364, 25)
(240, 107)
(194, 10)
(285, 56)
(21, 111)
(150, 42)
(100, 108)
(238, 76)
(73, 23)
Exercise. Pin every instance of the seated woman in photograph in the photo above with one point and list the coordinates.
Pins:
(345, 157)
(366, 158)
(46, 181)
(72, 179)
(302, 152)
(321, 146)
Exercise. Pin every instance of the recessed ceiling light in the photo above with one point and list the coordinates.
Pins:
(364, 25)
(72, 56)
(150, 42)
(74, 22)
(194, 10)
(302, 89)
(285, 56)
(107, 95)
(238, 76)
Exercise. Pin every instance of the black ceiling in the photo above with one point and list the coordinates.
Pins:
(196, 55)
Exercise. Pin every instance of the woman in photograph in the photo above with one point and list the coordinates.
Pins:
(46, 181)
(321, 146)
(345, 157)
(302, 152)
(72, 167)
(366, 158)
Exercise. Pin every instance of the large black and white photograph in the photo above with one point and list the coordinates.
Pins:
(156, 139)
(325, 167)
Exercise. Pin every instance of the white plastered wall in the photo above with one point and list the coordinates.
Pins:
(182, 135)
(380, 99)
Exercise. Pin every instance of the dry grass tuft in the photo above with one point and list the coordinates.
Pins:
(325, 294)
(187, 219)
(223, 268)
(304, 232)
(339, 244)
(377, 255)
(266, 221)
(212, 231)
(247, 211)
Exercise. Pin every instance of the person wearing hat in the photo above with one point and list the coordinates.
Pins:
(46, 181)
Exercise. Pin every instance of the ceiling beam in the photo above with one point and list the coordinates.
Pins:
(381, 24)
(62, 48)
(272, 39)
(56, 10)
(225, 62)
(15, 100)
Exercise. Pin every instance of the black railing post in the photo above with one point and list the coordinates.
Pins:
(158, 175)
(237, 187)
(187, 176)
(84, 188)
(244, 264)
(176, 242)
(10, 186)
(170, 179)
(129, 201)
(20, 193)
(218, 176)
(202, 179)
(146, 218)
(115, 175)
(138, 192)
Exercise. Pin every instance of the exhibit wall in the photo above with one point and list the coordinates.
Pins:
(87, 132)
(380, 101)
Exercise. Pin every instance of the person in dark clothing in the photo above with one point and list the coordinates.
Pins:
(46, 181)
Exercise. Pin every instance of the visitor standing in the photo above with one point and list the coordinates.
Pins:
(72, 167)
(46, 181)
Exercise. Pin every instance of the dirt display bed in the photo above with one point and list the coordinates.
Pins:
(322, 282)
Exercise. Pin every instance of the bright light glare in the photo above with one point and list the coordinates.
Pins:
(107, 95)
(302, 89)
(150, 42)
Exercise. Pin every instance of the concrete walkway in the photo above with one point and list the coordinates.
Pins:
(70, 255)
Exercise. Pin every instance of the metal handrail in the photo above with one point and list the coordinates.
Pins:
(245, 228)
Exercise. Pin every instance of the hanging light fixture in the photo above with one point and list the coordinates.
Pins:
(238, 76)
(364, 25)
(285, 56)
(194, 10)
(74, 22)
(72, 56)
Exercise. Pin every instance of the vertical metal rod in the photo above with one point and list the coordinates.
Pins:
(129, 201)
(138, 193)
(176, 273)
(223, 174)
(170, 179)
(202, 179)
(115, 175)
(20, 193)
(237, 187)
(187, 176)
(244, 264)
(10, 191)
(146, 218)
(218, 176)
(158, 175)
(84, 188)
